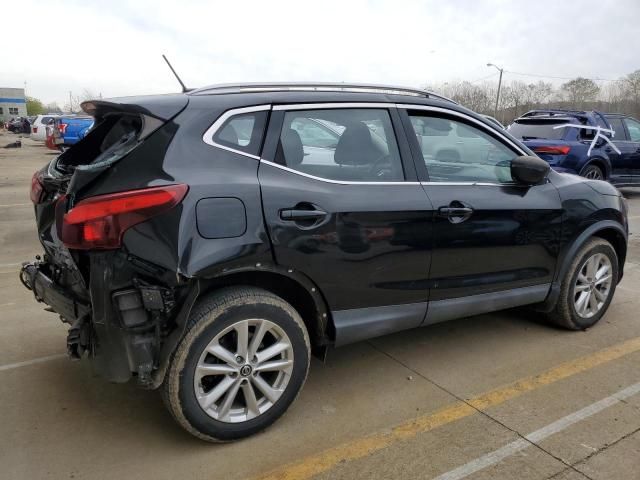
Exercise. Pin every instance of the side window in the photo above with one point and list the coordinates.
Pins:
(634, 129)
(355, 145)
(1, 111)
(242, 132)
(454, 151)
(316, 133)
(616, 126)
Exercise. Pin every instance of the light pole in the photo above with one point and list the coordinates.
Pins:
(495, 110)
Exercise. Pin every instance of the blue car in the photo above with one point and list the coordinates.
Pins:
(69, 130)
(569, 141)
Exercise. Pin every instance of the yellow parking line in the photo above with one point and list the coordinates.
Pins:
(361, 447)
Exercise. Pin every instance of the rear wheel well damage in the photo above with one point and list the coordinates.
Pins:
(306, 299)
(299, 292)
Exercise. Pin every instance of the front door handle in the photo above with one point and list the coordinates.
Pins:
(295, 215)
(456, 212)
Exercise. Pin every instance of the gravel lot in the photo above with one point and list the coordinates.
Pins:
(459, 399)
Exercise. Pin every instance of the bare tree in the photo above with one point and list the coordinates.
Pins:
(580, 90)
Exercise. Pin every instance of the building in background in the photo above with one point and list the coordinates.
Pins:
(12, 103)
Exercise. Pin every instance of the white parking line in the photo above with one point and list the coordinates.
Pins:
(26, 363)
(14, 204)
(500, 454)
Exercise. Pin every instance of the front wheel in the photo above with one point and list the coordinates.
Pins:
(242, 363)
(588, 286)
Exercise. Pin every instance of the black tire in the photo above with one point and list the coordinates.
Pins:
(212, 315)
(564, 313)
(593, 172)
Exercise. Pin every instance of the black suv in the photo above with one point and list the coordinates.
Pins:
(207, 243)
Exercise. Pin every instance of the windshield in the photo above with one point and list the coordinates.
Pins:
(534, 129)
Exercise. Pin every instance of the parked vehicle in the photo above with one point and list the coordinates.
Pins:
(39, 126)
(570, 149)
(208, 243)
(67, 131)
(494, 120)
(19, 125)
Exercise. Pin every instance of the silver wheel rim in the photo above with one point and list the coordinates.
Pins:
(593, 174)
(243, 371)
(593, 285)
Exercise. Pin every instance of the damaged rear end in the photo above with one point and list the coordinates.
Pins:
(90, 203)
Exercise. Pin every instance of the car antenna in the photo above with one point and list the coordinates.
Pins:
(184, 88)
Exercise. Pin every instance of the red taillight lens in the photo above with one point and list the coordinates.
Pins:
(62, 128)
(36, 188)
(34, 129)
(99, 222)
(553, 149)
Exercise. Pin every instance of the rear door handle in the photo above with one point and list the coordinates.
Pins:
(294, 215)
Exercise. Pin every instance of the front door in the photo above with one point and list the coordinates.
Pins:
(343, 206)
(495, 243)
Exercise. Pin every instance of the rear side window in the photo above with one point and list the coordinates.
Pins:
(534, 129)
(242, 132)
(616, 126)
(45, 120)
(352, 145)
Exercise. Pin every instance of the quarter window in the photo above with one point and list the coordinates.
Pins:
(634, 129)
(454, 151)
(242, 132)
(355, 145)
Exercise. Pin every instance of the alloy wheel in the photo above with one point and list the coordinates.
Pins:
(593, 173)
(593, 285)
(243, 371)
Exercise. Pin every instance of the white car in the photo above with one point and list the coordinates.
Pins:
(38, 127)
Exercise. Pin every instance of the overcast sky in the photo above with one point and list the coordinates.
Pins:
(113, 47)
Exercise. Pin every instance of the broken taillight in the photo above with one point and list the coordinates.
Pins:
(553, 149)
(62, 127)
(37, 189)
(100, 222)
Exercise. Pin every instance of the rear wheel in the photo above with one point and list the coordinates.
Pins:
(588, 286)
(592, 172)
(239, 367)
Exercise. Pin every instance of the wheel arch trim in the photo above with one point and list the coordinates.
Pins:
(320, 328)
(565, 260)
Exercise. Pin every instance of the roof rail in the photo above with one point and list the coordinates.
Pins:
(315, 87)
(551, 112)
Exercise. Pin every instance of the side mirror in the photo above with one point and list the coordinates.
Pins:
(529, 170)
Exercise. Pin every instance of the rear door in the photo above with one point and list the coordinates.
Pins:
(633, 130)
(495, 243)
(621, 166)
(343, 206)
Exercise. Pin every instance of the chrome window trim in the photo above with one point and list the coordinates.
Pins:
(466, 117)
(326, 180)
(331, 105)
(212, 130)
(476, 184)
